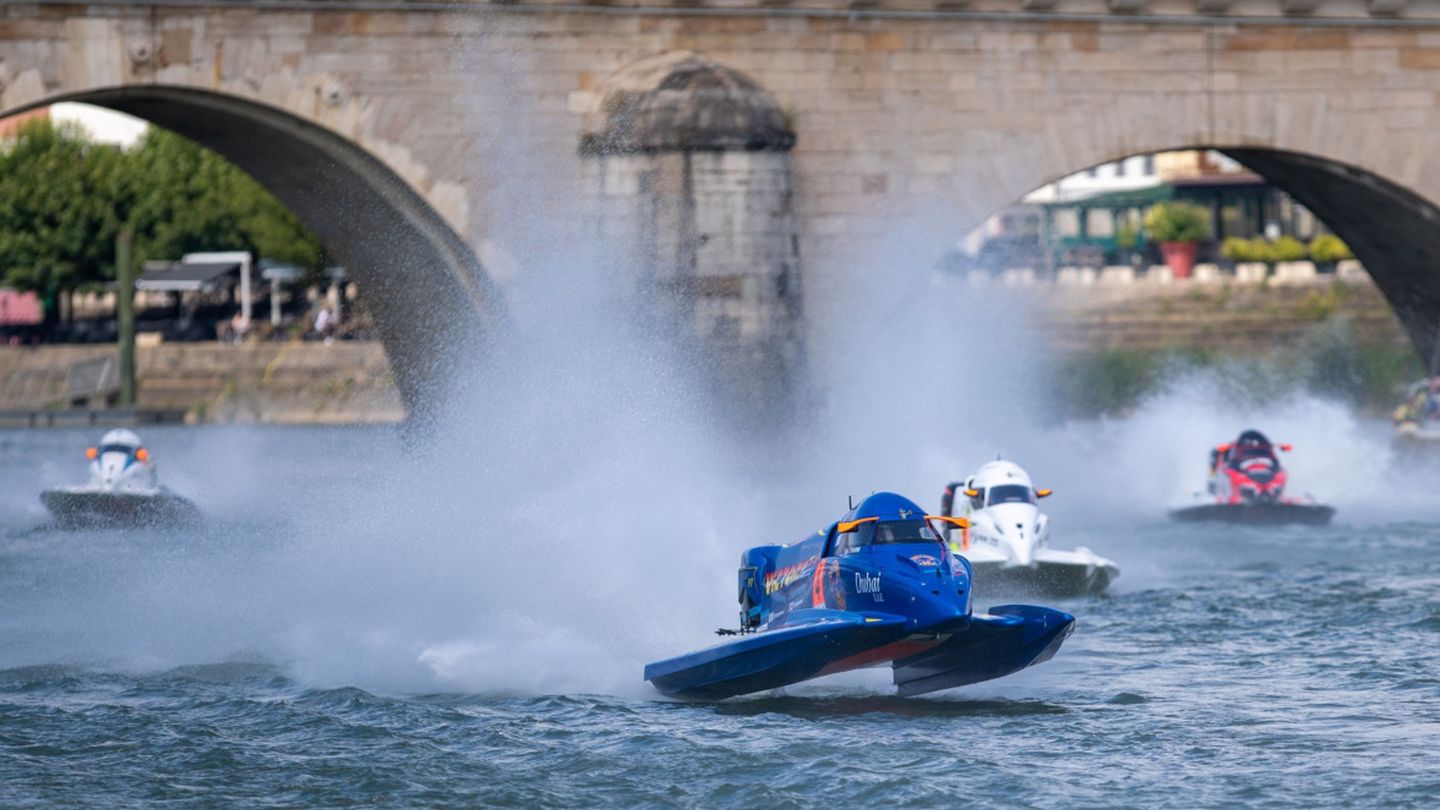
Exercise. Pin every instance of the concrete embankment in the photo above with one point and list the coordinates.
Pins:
(1112, 348)
(1218, 318)
(350, 382)
(291, 383)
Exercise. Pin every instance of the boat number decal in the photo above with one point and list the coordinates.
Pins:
(869, 583)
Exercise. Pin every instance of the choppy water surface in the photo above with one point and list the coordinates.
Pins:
(1228, 667)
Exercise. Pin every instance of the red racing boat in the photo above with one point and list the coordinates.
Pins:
(1248, 482)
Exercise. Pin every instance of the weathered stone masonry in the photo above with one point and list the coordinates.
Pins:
(900, 113)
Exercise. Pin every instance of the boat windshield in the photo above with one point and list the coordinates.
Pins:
(1247, 452)
(904, 531)
(1010, 493)
(892, 532)
(116, 448)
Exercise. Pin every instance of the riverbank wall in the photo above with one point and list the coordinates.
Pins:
(1222, 317)
(1109, 341)
(346, 382)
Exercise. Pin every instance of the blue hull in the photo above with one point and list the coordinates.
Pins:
(1011, 638)
(773, 658)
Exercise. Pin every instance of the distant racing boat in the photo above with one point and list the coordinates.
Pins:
(1008, 541)
(1248, 482)
(122, 492)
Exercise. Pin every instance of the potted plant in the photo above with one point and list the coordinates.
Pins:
(1262, 250)
(1327, 250)
(1288, 249)
(1236, 249)
(1179, 228)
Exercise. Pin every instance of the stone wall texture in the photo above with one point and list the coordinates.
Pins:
(909, 129)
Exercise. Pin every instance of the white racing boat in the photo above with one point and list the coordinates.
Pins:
(1008, 540)
(122, 492)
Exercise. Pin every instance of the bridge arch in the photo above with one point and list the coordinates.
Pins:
(432, 300)
(1393, 230)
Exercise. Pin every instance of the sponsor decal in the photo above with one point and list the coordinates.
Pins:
(924, 560)
(777, 580)
(869, 583)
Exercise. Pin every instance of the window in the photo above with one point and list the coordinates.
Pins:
(1148, 167)
(1099, 222)
(1304, 222)
(116, 448)
(889, 533)
(1010, 493)
(904, 531)
(1066, 222)
(1120, 168)
(1250, 451)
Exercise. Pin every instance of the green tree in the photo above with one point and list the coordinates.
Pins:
(187, 199)
(64, 199)
(58, 211)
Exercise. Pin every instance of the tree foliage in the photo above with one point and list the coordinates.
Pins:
(63, 200)
(58, 211)
(188, 199)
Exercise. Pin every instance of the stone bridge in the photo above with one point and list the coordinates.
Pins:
(750, 156)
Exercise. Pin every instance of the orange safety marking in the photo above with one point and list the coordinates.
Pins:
(852, 525)
(959, 522)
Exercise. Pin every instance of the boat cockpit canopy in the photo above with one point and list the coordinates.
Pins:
(890, 532)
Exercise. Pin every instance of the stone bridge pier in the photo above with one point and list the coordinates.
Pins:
(690, 162)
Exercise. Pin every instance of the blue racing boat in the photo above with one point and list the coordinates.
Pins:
(877, 586)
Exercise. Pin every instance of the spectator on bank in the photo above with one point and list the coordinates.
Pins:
(239, 325)
(325, 325)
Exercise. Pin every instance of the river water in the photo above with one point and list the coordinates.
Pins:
(332, 636)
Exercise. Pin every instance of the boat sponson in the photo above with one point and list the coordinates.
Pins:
(1008, 639)
(82, 509)
(1257, 514)
(773, 658)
